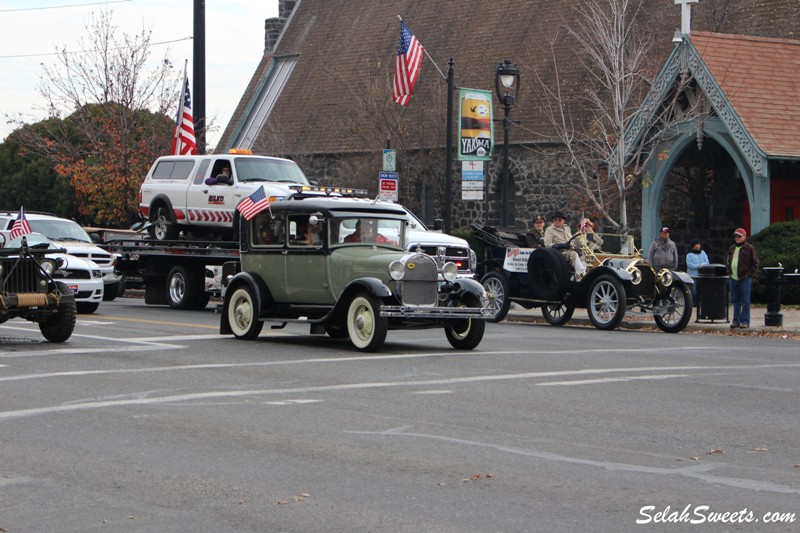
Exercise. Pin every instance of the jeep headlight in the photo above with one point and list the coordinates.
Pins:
(397, 270)
(450, 271)
(665, 277)
(49, 266)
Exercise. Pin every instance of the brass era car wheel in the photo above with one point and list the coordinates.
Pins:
(557, 314)
(243, 315)
(367, 329)
(680, 301)
(495, 284)
(466, 334)
(606, 302)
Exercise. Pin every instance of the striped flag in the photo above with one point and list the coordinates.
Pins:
(253, 204)
(184, 142)
(406, 70)
(20, 227)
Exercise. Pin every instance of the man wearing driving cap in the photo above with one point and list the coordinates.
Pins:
(742, 265)
(535, 237)
(663, 252)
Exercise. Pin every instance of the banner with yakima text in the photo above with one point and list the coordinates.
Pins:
(476, 130)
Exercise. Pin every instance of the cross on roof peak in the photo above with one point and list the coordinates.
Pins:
(686, 15)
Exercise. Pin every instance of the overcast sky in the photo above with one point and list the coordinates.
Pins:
(33, 29)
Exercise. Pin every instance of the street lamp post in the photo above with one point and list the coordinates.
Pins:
(507, 85)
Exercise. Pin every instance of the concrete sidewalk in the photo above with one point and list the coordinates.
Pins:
(790, 327)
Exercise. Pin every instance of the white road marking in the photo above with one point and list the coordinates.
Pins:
(608, 380)
(98, 404)
(695, 472)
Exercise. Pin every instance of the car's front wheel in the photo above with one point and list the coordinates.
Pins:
(679, 300)
(243, 315)
(606, 302)
(163, 227)
(366, 328)
(496, 286)
(557, 314)
(59, 327)
(466, 334)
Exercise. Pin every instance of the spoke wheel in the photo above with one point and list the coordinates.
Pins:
(496, 286)
(466, 334)
(606, 302)
(243, 315)
(366, 328)
(557, 314)
(680, 302)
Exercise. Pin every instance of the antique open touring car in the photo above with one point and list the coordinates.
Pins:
(617, 281)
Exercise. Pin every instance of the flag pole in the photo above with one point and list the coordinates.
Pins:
(179, 122)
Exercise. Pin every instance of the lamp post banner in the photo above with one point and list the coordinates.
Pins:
(476, 134)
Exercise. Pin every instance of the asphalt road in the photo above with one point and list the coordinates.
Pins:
(148, 420)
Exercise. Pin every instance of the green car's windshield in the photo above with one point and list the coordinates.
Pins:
(260, 169)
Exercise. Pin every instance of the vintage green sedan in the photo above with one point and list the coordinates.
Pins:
(340, 265)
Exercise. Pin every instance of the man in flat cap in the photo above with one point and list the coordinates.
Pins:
(742, 265)
(535, 237)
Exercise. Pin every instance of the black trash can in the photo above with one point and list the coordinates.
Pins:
(712, 293)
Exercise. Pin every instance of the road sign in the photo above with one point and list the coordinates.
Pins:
(472, 180)
(389, 160)
(388, 185)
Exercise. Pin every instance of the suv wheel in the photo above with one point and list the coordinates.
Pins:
(366, 328)
(163, 227)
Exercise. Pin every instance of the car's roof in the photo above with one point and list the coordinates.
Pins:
(334, 205)
(221, 156)
(33, 215)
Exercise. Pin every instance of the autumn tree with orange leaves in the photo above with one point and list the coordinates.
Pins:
(109, 119)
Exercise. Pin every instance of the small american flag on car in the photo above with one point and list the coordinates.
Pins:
(254, 204)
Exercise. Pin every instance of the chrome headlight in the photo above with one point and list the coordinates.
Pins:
(473, 260)
(450, 271)
(665, 277)
(397, 270)
(636, 276)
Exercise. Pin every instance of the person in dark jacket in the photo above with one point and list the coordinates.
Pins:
(742, 266)
(535, 237)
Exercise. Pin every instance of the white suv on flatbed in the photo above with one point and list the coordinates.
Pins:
(191, 193)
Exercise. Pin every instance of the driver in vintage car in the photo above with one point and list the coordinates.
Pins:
(558, 236)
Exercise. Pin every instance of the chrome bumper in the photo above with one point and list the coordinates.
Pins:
(403, 311)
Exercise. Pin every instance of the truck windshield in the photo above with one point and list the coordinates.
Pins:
(260, 169)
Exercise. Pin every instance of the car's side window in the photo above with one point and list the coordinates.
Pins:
(303, 233)
(268, 231)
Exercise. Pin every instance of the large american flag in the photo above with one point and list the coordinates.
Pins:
(20, 227)
(406, 70)
(183, 141)
(254, 204)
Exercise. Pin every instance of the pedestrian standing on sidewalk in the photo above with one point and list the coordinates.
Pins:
(663, 252)
(696, 258)
(742, 266)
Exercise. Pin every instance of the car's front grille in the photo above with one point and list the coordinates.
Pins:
(74, 274)
(20, 276)
(102, 259)
(454, 254)
(419, 285)
(647, 287)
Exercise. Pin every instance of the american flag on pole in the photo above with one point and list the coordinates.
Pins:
(254, 204)
(183, 141)
(406, 70)
(20, 227)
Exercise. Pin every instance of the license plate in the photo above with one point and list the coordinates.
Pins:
(74, 289)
